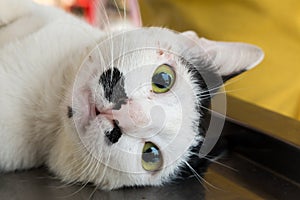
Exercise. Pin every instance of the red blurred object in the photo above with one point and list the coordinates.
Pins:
(88, 10)
(87, 7)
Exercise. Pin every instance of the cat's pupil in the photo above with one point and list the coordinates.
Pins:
(162, 80)
(151, 155)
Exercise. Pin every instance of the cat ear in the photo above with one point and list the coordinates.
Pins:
(231, 58)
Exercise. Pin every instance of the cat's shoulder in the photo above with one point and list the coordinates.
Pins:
(20, 19)
(11, 10)
(40, 29)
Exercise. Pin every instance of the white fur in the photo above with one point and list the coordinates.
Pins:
(44, 51)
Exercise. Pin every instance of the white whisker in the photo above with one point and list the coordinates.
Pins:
(101, 8)
(213, 160)
(199, 178)
(93, 192)
(118, 9)
(214, 112)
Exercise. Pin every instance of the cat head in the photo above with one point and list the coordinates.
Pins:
(137, 105)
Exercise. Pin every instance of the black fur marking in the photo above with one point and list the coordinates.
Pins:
(226, 78)
(70, 112)
(119, 103)
(112, 81)
(200, 164)
(115, 134)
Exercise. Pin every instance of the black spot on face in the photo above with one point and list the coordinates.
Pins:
(198, 71)
(114, 135)
(70, 112)
(119, 103)
(112, 81)
(226, 78)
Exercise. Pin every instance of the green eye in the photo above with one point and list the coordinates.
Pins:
(151, 157)
(163, 79)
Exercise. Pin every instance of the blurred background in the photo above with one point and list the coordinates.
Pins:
(274, 26)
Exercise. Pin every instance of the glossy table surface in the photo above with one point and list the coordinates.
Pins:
(239, 179)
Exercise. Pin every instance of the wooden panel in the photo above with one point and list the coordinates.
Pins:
(268, 122)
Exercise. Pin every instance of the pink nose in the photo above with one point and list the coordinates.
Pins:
(132, 116)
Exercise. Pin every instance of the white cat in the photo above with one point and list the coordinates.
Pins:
(114, 109)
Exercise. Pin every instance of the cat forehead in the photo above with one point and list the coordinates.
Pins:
(146, 48)
(139, 52)
(139, 65)
(163, 42)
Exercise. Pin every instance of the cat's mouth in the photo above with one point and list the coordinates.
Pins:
(95, 112)
(113, 135)
(89, 110)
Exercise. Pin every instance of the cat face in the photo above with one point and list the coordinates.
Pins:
(137, 104)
